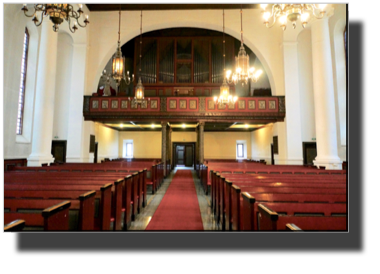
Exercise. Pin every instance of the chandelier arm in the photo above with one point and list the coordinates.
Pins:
(70, 28)
(79, 24)
(25, 9)
(42, 18)
(271, 25)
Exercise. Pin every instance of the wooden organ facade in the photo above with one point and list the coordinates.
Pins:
(182, 65)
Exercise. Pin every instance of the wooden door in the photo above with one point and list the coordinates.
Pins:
(309, 152)
(58, 150)
(189, 155)
(180, 155)
(96, 153)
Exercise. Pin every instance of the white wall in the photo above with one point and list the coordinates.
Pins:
(108, 142)
(222, 145)
(14, 29)
(261, 141)
(145, 144)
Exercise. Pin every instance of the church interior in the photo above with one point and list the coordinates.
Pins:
(175, 117)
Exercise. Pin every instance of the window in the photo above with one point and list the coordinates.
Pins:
(240, 150)
(127, 148)
(129, 151)
(21, 97)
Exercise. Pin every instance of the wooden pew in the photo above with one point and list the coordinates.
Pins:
(244, 218)
(224, 193)
(270, 220)
(120, 192)
(16, 225)
(62, 191)
(55, 217)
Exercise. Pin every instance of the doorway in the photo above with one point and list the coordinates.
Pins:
(272, 154)
(309, 152)
(183, 154)
(58, 150)
(96, 153)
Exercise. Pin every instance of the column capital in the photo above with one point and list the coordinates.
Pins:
(201, 123)
(326, 16)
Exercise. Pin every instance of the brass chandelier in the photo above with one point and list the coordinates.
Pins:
(118, 63)
(225, 97)
(57, 13)
(291, 12)
(243, 73)
(139, 91)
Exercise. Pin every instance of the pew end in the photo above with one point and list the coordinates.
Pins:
(15, 226)
(292, 227)
(57, 217)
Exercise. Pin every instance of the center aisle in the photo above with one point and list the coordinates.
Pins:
(179, 208)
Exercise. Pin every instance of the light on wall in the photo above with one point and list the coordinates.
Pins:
(57, 13)
(291, 12)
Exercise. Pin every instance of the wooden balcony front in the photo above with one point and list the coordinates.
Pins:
(184, 108)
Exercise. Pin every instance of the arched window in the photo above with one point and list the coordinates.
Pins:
(21, 97)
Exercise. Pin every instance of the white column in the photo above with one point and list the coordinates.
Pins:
(325, 120)
(45, 89)
(75, 113)
(292, 120)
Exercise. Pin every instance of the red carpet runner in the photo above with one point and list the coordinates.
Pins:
(179, 208)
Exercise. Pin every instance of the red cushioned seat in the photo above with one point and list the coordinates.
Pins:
(100, 91)
(113, 92)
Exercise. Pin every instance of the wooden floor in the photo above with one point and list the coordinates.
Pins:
(145, 216)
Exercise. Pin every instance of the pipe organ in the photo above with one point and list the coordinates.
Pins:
(183, 60)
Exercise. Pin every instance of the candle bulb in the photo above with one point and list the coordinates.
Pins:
(80, 6)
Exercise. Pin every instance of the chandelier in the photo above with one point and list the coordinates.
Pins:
(118, 63)
(56, 13)
(139, 91)
(292, 12)
(243, 73)
(224, 97)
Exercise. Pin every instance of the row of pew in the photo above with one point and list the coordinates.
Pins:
(279, 198)
(78, 197)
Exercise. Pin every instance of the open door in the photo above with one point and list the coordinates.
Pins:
(58, 150)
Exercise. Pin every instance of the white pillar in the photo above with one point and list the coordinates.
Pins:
(75, 113)
(325, 120)
(45, 89)
(293, 130)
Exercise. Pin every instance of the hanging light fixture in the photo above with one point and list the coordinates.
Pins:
(57, 13)
(139, 91)
(243, 73)
(118, 63)
(292, 12)
(224, 97)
